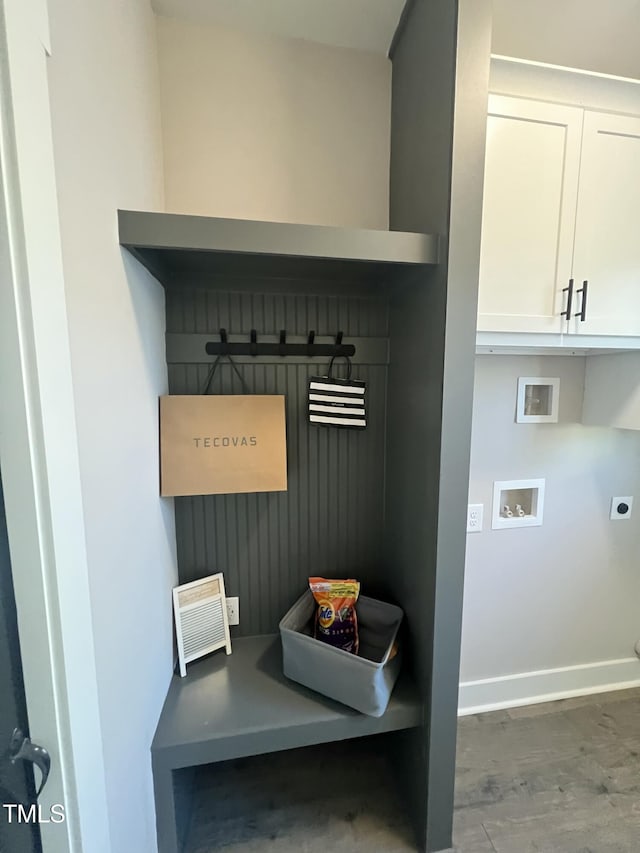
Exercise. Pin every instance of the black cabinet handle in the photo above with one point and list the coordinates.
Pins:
(569, 291)
(582, 313)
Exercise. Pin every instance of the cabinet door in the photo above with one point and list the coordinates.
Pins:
(530, 193)
(607, 244)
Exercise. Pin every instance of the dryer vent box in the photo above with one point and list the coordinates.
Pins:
(538, 399)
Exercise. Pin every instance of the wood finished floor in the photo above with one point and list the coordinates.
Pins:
(557, 778)
(563, 776)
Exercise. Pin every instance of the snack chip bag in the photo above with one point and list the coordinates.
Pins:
(336, 621)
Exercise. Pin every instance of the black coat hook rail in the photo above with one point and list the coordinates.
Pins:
(282, 348)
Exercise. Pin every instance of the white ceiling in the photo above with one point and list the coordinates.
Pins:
(359, 24)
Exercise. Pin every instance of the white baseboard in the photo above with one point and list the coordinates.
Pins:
(547, 685)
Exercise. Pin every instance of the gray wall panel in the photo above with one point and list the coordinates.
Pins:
(421, 137)
(198, 309)
(330, 520)
(421, 116)
(440, 81)
(472, 82)
(413, 459)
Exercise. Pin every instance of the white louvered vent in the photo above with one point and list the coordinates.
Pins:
(201, 619)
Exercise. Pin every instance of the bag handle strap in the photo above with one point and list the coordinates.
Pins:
(347, 359)
(212, 373)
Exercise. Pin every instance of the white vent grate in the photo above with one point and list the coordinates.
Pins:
(201, 619)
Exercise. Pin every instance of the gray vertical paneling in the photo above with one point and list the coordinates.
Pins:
(330, 521)
(440, 82)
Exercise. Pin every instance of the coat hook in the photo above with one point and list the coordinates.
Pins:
(253, 350)
(283, 340)
(223, 336)
(310, 339)
(339, 339)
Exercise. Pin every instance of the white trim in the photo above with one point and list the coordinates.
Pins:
(538, 343)
(38, 445)
(538, 81)
(547, 685)
(563, 68)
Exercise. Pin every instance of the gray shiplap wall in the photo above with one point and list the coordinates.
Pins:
(330, 521)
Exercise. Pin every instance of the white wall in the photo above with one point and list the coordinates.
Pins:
(265, 127)
(566, 593)
(608, 403)
(591, 34)
(106, 126)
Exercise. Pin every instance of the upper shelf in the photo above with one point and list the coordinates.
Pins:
(174, 245)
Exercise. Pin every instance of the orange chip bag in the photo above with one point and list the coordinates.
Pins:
(336, 621)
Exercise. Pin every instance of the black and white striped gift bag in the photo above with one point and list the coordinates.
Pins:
(337, 402)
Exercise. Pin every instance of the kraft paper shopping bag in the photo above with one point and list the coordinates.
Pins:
(221, 444)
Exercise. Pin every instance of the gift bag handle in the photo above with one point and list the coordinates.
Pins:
(212, 373)
(347, 359)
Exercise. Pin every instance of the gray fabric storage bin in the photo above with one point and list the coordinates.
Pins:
(363, 681)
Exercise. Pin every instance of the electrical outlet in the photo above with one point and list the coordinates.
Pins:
(621, 508)
(474, 518)
(233, 610)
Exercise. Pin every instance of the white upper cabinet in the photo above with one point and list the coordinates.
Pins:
(561, 208)
(530, 196)
(607, 238)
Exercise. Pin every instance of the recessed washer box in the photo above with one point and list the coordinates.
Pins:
(517, 503)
